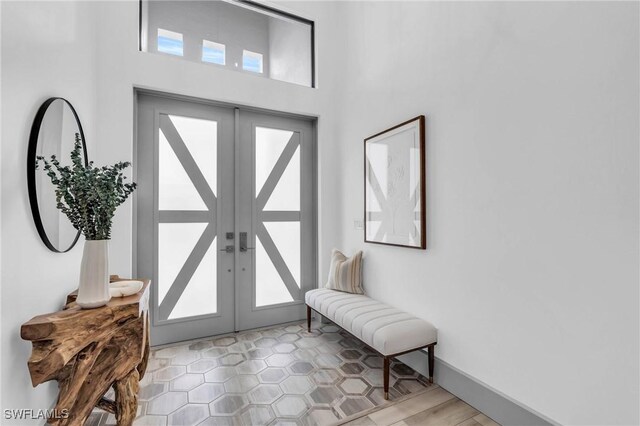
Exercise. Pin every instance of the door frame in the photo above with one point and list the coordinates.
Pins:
(313, 119)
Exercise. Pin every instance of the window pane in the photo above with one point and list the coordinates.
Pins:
(175, 189)
(286, 195)
(169, 42)
(270, 289)
(175, 243)
(269, 146)
(201, 139)
(200, 295)
(213, 52)
(286, 236)
(251, 61)
(275, 45)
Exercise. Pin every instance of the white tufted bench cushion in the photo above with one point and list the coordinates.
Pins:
(388, 330)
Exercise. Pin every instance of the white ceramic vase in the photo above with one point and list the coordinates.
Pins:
(93, 288)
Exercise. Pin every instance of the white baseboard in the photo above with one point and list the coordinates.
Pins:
(479, 395)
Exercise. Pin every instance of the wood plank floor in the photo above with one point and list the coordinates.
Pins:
(434, 407)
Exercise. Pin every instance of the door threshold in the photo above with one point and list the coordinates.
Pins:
(217, 336)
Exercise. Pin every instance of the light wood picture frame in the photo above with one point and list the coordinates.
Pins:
(394, 186)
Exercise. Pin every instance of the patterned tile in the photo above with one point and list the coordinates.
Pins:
(219, 421)
(190, 414)
(325, 395)
(326, 376)
(225, 341)
(152, 390)
(185, 358)
(167, 403)
(296, 384)
(265, 394)
(214, 352)
(228, 405)
(202, 366)
(351, 368)
(401, 370)
(278, 376)
(308, 342)
(248, 336)
(354, 386)
(220, 374)
(329, 348)
(200, 346)
(259, 353)
(352, 405)
(272, 375)
(256, 415)
(231, 359)
(241, 384)
(288, 338)
(373, 361)
(351, 354)
(279, 360)
(330, 328)
(320, 416)
(241, 347)
(150, 421)
(376, 378)
(266, 342)
(290, 406)
(300, 367)
(306, 354)
(284, 348)
(327, 361)
(206, 393)
(169, 373)
(251, 366)
(285, 422)
(187, 382)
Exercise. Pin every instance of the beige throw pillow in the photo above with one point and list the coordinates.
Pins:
(345, 273)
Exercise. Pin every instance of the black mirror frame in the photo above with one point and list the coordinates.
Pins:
(31, 170)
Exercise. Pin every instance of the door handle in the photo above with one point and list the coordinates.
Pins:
(228, 249)
(243, 243)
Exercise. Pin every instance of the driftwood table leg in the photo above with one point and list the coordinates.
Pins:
(127, 398)
(142, 367)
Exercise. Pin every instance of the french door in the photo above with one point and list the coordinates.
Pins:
(225, 217)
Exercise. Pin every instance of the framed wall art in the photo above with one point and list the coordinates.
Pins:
(394, 186)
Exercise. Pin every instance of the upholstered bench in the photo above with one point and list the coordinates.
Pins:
(388, 331)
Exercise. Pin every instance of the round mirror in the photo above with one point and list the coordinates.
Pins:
(53, 133)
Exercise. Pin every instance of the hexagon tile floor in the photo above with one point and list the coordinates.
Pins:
(277, 376)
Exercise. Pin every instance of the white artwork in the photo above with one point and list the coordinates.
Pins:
(394, 186)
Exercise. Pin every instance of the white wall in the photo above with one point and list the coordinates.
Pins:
(531, 270)
(47, 50)
(289, 53)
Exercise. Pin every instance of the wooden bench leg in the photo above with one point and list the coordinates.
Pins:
(308, 318)
(431, 349)
(386, 377)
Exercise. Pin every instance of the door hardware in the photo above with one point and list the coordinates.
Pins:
(228, 249)
(243, 243)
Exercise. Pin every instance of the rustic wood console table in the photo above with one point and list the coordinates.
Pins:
(90, 350)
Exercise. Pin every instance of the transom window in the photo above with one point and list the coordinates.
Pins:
(213, 52)
(251, 61)
(170, 42)
(239, 35)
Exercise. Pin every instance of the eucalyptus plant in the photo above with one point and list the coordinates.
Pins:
(86, 194)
